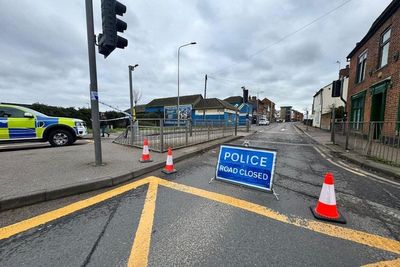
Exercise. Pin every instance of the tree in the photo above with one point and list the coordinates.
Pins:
(137, 95)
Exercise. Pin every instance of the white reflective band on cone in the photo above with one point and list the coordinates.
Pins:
(145, 150)
(169, 160)
(328, 194)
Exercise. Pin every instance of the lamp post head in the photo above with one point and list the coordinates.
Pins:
(193, 43)
(132, 67)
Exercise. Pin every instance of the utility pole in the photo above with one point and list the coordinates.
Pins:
(205, 96)
(333, 125)
(307, 119)
(257, 107)
(93, 83)
(205, 86)
(258, 114)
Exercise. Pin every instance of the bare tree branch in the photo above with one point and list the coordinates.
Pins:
(137, 95)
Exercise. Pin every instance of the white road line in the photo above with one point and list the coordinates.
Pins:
(359, 172)
(281, 143)
(268, 132)
(334, 163)
(372, 176)
(297, 130)
(390, 194)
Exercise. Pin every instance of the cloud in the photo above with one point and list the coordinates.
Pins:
(44, 49)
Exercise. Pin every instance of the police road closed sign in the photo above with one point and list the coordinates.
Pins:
(253, 167)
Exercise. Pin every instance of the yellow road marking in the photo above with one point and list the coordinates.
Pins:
(22, 226)
(364, 238)
(143, 234)
(140, 249)
(390, 263)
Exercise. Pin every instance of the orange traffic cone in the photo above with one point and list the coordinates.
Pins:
(145, 154)
(169, 166)
(326, 206)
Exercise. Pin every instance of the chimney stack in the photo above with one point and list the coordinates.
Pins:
(245, 95)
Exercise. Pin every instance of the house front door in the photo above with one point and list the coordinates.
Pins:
(378, 110)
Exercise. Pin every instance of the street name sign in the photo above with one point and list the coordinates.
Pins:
(248, 166)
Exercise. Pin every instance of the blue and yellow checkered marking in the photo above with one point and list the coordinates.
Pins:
(4, 129)
(22, 133)
(3, 123)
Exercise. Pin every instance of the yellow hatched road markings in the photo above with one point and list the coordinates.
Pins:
(141, 245)
(364, 238)
(25, 225)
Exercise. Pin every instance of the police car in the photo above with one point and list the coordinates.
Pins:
(23, 124)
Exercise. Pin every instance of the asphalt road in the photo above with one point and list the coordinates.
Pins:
(184, 220)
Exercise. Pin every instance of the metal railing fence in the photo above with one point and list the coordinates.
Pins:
(164, 133)
(376, 139)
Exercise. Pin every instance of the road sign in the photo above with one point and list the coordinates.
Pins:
(249, 166)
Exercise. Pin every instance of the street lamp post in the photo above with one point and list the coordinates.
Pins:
(131, 69)
(179, 49)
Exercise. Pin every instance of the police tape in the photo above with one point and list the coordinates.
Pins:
(116, 119)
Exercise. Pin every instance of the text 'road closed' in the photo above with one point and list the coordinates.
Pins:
(252, 167)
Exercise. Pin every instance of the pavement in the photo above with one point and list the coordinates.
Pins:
(324, 138)
(182, 219)
(35, 172)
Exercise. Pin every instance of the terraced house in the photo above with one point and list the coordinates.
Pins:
(374, 80)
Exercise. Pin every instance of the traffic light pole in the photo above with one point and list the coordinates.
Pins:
(93, 82)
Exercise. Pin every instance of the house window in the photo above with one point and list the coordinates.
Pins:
(384, 48)
(357, 111)
(361, 66)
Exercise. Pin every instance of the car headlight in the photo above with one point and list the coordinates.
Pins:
(79, 124)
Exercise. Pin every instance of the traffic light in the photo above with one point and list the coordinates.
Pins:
(109, 39)
(336, 88)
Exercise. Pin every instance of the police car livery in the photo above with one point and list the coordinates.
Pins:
(20, 123)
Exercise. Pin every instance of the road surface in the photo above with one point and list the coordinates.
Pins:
(182, 219)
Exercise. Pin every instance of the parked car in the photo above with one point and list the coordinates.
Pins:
(19, 123)
(263, 122)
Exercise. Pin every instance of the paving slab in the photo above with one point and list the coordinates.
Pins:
(41, 173)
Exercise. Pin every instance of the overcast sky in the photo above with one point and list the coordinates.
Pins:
(44, 49)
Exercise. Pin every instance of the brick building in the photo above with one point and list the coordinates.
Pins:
(270, 109)
(374, 81)
(296, 115)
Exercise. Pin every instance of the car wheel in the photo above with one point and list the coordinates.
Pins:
(60, 138)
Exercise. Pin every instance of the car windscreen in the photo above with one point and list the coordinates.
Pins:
(34, 112)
